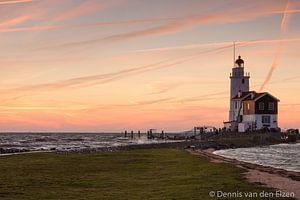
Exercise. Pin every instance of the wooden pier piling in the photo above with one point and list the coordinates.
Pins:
(131, 135)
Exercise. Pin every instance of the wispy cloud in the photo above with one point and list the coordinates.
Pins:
(86, 81)
(151, 102)
(178, 26)
(214, 44)
(16, 2)
(86, 7)
(211, 96)
(49, 20)
(91, 80)
(84, 25)
(280, 46)
(15, 21)
(161, 87)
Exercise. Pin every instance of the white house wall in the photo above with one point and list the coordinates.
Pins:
(248, 120)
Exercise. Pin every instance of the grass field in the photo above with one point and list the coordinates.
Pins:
(136, 174)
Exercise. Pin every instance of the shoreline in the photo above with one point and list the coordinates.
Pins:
(275, 178)
(278, 179)
(164, 144)
(204, 148)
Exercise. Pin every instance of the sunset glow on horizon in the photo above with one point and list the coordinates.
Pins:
(95, 65)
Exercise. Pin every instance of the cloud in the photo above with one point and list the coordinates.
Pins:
(16, 2)
(280, 46)
(211, 96)
(162, 87)
(15, 21)
(84, 25)
(71, 12)
(286, 18)
(176, 24)
(179, 25)
(19, 16)
(87, 81)
(91, 80)
(213, 44)
(150, 102)
(87, 7)
(273, 67)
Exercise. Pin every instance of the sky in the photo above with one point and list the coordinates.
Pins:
(97, 65)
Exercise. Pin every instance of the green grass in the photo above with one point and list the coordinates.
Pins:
(136, 174)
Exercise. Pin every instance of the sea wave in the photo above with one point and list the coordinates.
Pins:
(282, 156)
(12, 143)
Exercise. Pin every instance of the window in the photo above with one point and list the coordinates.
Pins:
(266, 119)
(236, 105)
(261, 106)
(271, 105)
(248, 106)
(243, 81)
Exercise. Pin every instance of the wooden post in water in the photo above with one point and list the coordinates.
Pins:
(162, 134)
(131, 135)
(125, 134)
(139, 134)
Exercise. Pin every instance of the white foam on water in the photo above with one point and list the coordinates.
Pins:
(23, 142)
(283, 156)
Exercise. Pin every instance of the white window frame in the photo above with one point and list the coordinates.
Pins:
(271, 106)
(266, 119)
(261, 106)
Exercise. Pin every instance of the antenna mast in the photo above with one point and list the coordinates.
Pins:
(233, 53)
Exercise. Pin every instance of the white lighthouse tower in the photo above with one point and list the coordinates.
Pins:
(239, 83)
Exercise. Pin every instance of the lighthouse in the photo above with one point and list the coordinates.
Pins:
(239, 83)
(249, 110)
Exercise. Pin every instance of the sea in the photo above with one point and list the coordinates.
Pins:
(282, 156)
(16, 143)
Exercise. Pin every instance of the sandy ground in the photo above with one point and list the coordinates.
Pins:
(275, 181)
(283, 181)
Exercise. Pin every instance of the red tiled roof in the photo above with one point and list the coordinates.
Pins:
(254, 96)
(251, 95)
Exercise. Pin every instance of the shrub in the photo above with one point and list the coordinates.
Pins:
(292, 137)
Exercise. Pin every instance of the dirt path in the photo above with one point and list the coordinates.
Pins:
(281, 180)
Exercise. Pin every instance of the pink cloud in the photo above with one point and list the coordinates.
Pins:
(214, 44)
(15, 21)
(178, 25)
(16, 2)
(280, 45)
(87, 7)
